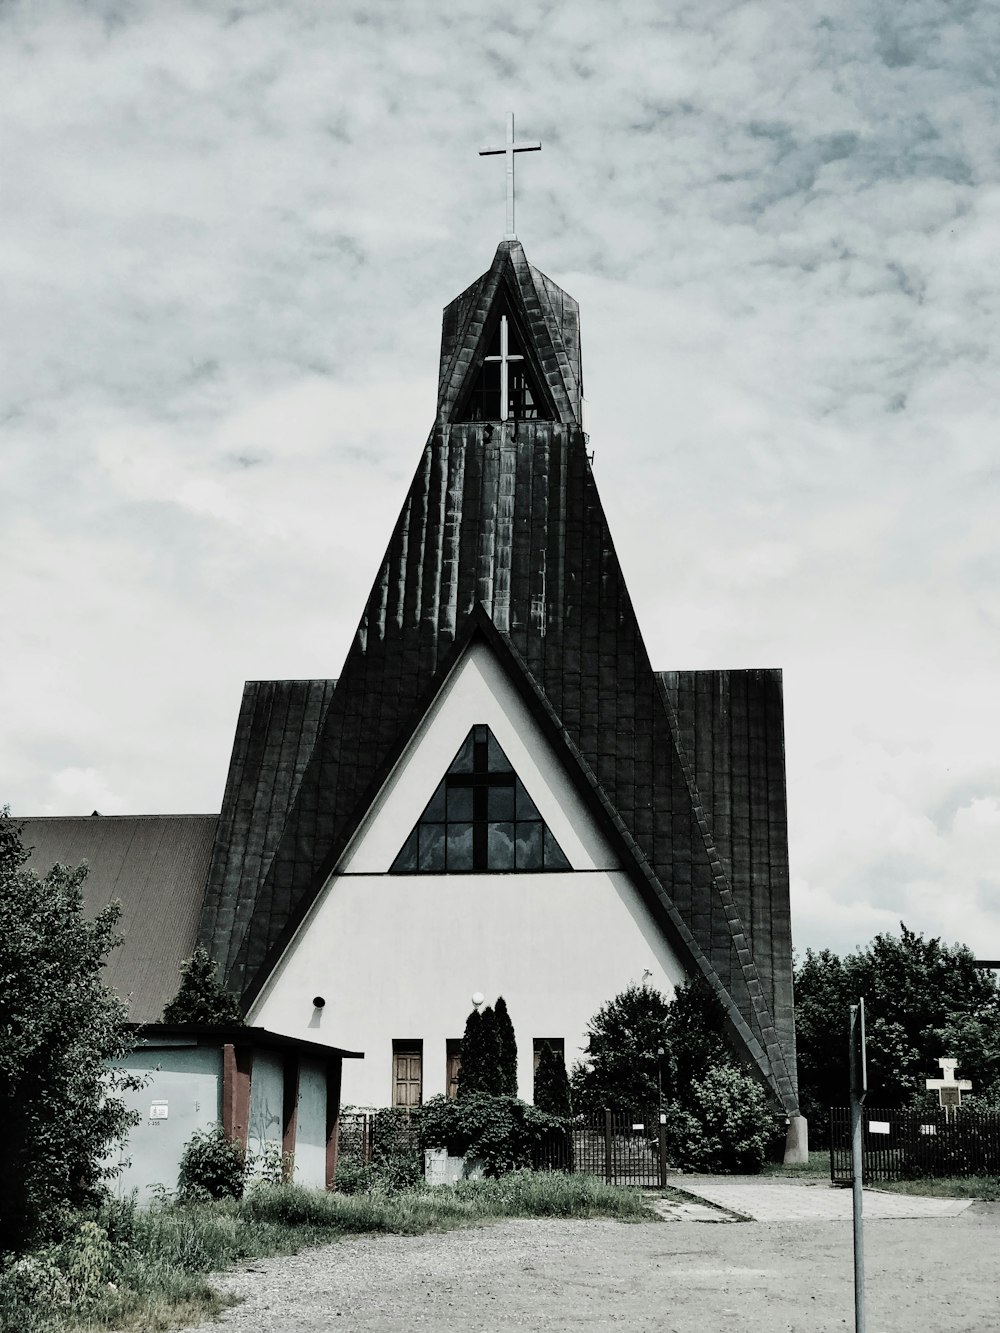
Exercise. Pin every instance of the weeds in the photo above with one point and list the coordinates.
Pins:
(126, 1267)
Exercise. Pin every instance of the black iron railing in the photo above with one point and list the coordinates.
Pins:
(909, 1145)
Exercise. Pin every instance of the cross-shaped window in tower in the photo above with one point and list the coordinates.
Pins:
(504, 388)
(480, 818)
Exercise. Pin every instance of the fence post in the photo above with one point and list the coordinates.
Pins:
(607, 1144)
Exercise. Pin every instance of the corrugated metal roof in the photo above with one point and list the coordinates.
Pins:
(156, 865)
(503, 532)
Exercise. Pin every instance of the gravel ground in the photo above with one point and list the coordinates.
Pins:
(941, 1274)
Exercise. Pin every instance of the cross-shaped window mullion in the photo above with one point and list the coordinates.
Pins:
(505, 358)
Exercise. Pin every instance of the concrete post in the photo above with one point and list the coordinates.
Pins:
(797, 1141)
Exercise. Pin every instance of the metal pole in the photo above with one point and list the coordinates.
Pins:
(859, 1082)
(607, 1144)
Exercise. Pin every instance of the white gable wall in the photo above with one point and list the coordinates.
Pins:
(399, 956)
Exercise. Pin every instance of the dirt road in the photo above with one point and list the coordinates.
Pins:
(940, 1275)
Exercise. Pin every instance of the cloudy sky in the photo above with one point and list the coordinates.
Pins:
(226, 235)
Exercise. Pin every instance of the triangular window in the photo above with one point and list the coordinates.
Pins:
(479, 819)
(504, 387)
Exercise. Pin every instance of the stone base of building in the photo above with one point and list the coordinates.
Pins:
(797, 1141)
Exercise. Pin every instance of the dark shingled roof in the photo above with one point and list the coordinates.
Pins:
(156, 865)
(502, 534)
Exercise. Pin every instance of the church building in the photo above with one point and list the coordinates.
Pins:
(499, 793)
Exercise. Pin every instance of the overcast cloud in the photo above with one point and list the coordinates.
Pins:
(226, 237)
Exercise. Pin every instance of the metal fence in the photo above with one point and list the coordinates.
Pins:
(908, 1145)
(623, 1147)
(366, 1136)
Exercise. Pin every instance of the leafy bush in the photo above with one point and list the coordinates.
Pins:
(355, 1176)
(212, 1167)
(501, 1132)
(60, 1029)
(723, 1124)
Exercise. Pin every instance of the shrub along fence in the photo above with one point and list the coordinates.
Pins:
(622, 1147)
(908, 1145)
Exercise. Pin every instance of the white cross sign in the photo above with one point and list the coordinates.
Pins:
(949, 1088)
(509, 149)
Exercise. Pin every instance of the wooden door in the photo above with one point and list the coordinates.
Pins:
(454, 1054)
(407, 1076)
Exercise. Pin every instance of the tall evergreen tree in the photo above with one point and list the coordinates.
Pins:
(506, 1049)
(552, 1083)
(491, 1080)
(470, 1071)
(200, 998)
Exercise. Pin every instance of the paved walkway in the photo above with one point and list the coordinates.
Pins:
(774, 1199)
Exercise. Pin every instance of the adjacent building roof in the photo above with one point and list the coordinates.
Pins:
(156, 866)
(503, 534)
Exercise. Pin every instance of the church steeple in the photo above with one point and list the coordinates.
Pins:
(543, 323)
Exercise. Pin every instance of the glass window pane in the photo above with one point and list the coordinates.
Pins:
(500, 846)
(459, 802)
(435, 806)
(528, 845)
(500, 802)
(462, 763)
(497, 758)
(459, 846)
(554, 858)
(526, 808)
(406, 861)
(432, 846)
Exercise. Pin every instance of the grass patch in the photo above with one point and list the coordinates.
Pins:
(952, 1187)
(130, 1268)
(816, 1168)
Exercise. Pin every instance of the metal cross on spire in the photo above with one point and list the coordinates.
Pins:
(509, 149)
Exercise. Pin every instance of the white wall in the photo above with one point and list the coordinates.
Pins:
(398, 956)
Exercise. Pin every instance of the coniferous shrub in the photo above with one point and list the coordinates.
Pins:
(552, 1091)
(470, 1071)
(491, 1080)
(200, 997)
(506, 1050)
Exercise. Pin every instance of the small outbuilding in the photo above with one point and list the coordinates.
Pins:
(271, 1093)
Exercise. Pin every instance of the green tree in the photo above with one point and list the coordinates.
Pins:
(923, 1000)
(506, 1049)
(552, 1091)
(60, 1030)
(621, 1063)
(470, 1071)
(200, 997)
(490, 1080)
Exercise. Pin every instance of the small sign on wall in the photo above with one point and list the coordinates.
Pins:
(158, 1110)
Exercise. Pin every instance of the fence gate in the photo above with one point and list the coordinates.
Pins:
(623, 1147)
